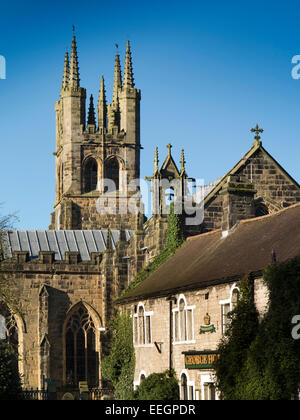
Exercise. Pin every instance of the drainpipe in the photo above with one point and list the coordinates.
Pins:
(171, 299)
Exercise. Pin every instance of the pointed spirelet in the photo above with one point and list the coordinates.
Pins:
(156, 161)
(74, 66)
(66, 75)
(128, 81)
(182, 161)
(117, 83)
(91, 115)
(102, 107)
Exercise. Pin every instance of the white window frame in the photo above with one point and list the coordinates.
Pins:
(226, 302)
(186, 309)
(190, 384)
(136, 330)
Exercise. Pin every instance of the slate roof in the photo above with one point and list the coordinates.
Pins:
(214, 258)
(83, 241)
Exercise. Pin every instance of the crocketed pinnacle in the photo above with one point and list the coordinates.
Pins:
(91, 115)
(128, 81)
(117, 83)
(66, 75)
(74, 67)
(156, 159)
(102, 108)
(182, 161)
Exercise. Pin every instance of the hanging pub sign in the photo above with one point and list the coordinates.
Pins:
(200, 359)
(207, 327)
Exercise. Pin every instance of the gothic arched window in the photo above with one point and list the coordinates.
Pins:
(82, 359)
(90, 175)
(112, 173)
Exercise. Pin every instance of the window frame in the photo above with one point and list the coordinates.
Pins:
(177, 321)
(147, 332)
(226, 302)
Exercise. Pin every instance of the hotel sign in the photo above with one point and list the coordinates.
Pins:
(200, 360)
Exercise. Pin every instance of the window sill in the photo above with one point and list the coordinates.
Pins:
(175, 343)
(141, 346)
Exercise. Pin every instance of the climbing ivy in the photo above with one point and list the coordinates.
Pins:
(118, 362)
(266, 366)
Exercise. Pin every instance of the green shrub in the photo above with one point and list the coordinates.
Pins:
(159, 387)
(10, 382)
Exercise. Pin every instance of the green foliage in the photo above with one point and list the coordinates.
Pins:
(119, 362)
(10, 382)
(269, 369)
(159, 387)
(175, 240)
(234, 346)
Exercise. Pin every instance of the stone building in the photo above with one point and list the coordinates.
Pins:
(67, 278)
(180, 312)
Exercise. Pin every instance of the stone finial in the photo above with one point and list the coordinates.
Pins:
(66, 75)
(182, 161)
(128, 81)
(102, 108)
(156, 161)
(74, 66)
(117, 83)
(109, 247)
(91, 115)
(169, 147)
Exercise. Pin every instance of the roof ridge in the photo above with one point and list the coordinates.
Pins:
(253, 219)
(204, 234)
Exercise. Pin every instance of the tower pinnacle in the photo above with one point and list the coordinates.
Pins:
(102, 109)
(91, 115)
(128, 71)
(74, 67)
(117, 83)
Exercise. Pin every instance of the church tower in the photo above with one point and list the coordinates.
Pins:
(97, 153)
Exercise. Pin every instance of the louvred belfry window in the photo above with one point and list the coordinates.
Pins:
(90, 176)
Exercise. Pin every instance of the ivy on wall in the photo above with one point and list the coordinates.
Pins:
(118, 362)
(262, 361)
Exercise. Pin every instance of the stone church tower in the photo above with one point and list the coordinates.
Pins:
(90, 150)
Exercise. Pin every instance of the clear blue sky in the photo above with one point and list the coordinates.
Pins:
(208, 71)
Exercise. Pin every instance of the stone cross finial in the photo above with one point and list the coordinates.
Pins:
(257, 130)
